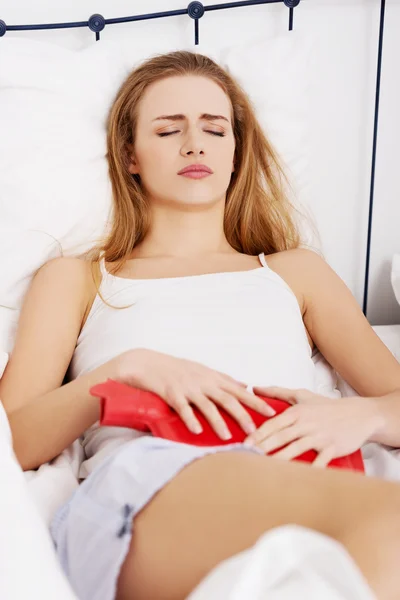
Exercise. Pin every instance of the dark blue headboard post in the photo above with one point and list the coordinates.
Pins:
(374, 146)
(291, 4)
(97, 23)
(196, 11)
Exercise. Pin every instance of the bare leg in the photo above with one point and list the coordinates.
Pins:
(221, 504)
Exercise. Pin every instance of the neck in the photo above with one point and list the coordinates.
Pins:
(184, 234)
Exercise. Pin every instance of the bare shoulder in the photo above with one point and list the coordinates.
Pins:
(295, 257)
(70, 274)
(67, 269)
(65, 266)
(295, 267)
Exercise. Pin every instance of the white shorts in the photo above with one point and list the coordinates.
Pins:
(93, 530)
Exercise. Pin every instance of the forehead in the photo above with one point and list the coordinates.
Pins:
(190, 95)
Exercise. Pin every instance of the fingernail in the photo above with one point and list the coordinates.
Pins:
(197, 428)
(226, 434)
(249, 442)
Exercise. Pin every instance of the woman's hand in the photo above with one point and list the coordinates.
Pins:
(182, 383)
(333, 428)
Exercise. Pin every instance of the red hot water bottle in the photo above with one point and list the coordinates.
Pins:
(125, 406)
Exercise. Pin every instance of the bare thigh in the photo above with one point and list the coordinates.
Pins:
(220, 505)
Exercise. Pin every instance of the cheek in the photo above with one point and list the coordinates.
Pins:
(155, 161)
(228, 153)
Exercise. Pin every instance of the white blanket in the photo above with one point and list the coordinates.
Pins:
(286, 563)
(29, 568)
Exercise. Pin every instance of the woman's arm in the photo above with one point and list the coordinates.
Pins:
(44, 417)
(343, 335)
(48, 424)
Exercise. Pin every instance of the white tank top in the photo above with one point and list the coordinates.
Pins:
(247, 324)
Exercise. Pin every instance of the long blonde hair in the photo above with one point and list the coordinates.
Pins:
(258, 213)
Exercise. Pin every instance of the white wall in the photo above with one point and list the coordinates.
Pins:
(341, 112)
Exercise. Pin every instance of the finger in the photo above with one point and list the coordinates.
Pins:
(296, 449)
(290, 395)
(286, 436)
(271, 427)
(212, 414)
(235, 409)
(243, 384)
(250, 399)
(324, 458)
(186, 413)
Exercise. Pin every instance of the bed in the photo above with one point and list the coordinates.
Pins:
(285, 563)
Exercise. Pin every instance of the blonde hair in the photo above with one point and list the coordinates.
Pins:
(258, 213)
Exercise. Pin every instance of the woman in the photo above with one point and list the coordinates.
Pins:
(184, 303)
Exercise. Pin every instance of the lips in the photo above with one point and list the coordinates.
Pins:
(195, 169)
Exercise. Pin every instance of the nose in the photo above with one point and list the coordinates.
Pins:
(192, 145)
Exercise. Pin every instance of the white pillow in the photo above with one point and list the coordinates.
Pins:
(3, 362)
(395, 276)
(55, 191)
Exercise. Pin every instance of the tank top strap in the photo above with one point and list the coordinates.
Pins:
(262, 260)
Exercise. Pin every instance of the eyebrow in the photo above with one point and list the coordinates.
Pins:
(203, 117)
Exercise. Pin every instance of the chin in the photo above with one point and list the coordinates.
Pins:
(201, 201)
(191, 200)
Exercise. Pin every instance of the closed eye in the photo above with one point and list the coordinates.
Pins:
(165, 133)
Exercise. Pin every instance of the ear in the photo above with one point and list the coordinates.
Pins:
(133, 167)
